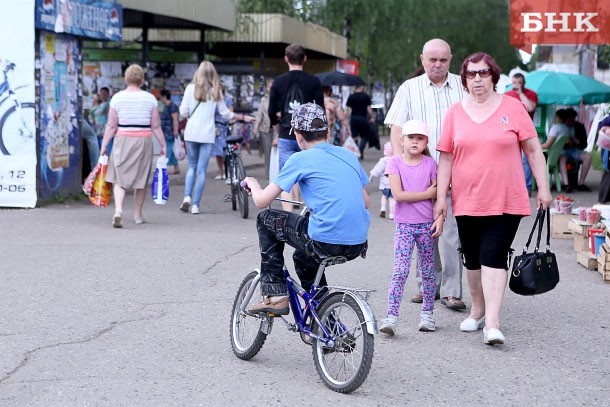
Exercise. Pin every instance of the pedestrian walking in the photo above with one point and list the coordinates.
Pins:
(169, 124)
(222, 129)
(262, 127)
(427, 97)
(133, 117)
(361, 117)
(288, 92)
(480, 148)
(201, 97)
(387, 201)
(413, 181)
(529, 98)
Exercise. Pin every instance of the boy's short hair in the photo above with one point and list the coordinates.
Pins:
(295, 54)
(309, 120)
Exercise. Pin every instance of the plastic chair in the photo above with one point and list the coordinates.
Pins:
(552, 163)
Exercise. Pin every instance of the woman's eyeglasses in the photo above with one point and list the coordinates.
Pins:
(483, 73)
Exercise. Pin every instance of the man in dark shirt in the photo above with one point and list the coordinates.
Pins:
(573, 150)
(361, 113)
(300, 88)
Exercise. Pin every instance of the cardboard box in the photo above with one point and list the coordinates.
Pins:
(587, 259)
(559, 225)
(607, 238)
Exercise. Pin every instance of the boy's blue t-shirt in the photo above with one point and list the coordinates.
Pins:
(331, 181)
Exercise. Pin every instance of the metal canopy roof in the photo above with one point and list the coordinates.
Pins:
(217, 14)
(271, 33)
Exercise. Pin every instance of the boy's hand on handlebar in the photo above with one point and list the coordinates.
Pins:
(249, 183)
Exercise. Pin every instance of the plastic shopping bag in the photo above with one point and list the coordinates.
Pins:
(178, 149)
(274, 163)
(88, 184)
(160, 183)
(101, 191)
(351, 145)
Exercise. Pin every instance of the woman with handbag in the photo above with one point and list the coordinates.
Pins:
(200, 100)
(480, 156)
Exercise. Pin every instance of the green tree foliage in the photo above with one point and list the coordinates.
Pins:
(387, 35)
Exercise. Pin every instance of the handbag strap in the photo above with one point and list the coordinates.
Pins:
(548, 229)
(529, 239)
(540, 226)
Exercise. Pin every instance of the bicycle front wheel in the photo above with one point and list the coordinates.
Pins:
(242, 195)
(17, 129)
(344, 366)
(247, 339)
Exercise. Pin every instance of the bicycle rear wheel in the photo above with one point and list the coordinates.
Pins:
(242, 195)
(18, 131)
(247, 339)
(344, 366)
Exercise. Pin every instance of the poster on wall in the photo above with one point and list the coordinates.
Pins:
(60, 172)
(17, 112)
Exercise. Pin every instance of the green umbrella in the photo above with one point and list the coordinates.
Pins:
(556, 88)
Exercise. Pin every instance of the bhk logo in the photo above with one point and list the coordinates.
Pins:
(559, 22)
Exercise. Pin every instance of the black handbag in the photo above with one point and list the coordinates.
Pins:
(537, 272)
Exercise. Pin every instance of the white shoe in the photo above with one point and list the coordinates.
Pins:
(391, 216)
(472, 325)
(426, 322)
(195, 210)
(493, 336)
(389, 325)
(186, 204)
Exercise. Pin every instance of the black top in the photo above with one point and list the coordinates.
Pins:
(359, 102)
(310, 87)
(580, 134)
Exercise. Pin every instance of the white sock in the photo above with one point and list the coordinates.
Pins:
(277, 298)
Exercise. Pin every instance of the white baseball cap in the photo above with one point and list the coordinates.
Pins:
(415, 127)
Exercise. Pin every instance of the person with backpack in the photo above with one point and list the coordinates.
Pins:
(288, 92)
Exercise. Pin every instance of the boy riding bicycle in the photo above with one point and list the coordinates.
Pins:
(332, 183)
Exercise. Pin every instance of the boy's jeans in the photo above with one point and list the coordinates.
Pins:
(275, 229)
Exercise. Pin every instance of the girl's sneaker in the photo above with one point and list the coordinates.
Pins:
(426, 322)
(389, 325)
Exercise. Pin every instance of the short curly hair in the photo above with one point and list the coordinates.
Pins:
(478, 57)
(134, 75)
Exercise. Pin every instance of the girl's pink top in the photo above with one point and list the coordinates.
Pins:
(413, 178)
(486, 172)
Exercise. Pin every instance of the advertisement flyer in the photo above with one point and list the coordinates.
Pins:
(17, 112)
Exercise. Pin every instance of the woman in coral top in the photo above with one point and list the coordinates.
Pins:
(480, 156)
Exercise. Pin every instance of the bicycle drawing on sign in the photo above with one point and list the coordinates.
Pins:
(17, 120)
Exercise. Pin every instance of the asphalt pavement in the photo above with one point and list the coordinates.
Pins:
(139, 316)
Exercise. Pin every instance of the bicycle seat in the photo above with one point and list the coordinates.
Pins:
(234, 139)
(331, 261)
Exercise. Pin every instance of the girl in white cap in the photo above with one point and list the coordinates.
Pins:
(413, 183)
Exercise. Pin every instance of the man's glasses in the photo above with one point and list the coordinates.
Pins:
(483, 73)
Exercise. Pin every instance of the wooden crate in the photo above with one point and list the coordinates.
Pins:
(587, 259)
(581, 234)
(559, 225)
(603, 262)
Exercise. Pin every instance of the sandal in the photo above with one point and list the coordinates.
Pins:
(453, 303)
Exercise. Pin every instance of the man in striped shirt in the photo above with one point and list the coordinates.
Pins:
(427, 97)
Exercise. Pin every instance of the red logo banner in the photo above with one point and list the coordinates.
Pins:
(559, 22)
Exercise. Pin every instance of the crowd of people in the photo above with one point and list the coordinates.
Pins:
(455, 177)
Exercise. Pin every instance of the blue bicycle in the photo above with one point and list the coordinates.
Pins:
(336, 321)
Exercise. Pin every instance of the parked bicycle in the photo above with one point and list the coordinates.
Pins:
(336, 321)
(17, 123)
(236, 172)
